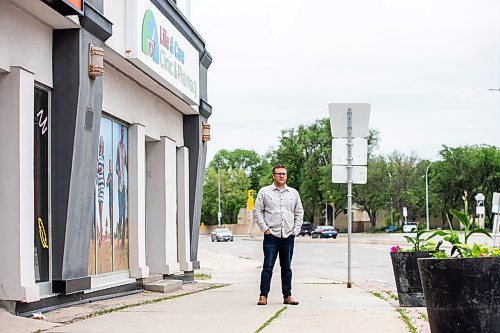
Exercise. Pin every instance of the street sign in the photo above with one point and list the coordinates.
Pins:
(349, 121)
(405, 212)
(359, 151)
(339, 174)
(338, 119)
(479, 204)
(495, 205)
(250, 193)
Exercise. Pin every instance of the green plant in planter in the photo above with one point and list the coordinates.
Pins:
(463, 249)
(404, 265)
(419, 243)
(462, 292)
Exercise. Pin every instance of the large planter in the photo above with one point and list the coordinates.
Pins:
(462, 295)
(404, 265)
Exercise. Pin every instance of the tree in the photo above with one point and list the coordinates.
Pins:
(233, 184)
(375, 195)
(407, 184)
(249, 161)
(240, 170)
(472, 168)
(307, 153)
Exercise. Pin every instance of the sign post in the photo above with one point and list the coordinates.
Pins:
(495, 209)
(349, 126)
(480, 211)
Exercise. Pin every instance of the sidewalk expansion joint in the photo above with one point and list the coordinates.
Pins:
(401, 310)
(270, 320)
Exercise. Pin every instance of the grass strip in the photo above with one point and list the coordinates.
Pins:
(406, 319)
(150, 301)
(391, 295)
(377, 294)
(269, 321)
(202, 276)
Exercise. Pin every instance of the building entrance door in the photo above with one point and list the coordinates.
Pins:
(41, 184)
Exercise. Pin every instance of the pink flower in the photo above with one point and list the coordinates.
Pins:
(395, 248)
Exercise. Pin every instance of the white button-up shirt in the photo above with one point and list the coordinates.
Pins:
(279, 210)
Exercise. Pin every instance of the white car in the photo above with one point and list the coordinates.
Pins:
(410, 227)
(222, 234)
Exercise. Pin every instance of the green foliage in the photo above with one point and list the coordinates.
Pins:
(419, 243)
(396, 179)
(236, 174)
(440, 255)
(307, 153)
(474, 168)
(463, 249)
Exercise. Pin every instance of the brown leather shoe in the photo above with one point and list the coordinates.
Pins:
(290, 301)
(262, 300)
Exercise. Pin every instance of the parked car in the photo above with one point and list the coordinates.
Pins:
(222, 234)
(410, 227)
(324, 232)
(306, 228)
(391, 228)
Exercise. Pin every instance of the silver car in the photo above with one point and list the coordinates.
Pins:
(222, 234)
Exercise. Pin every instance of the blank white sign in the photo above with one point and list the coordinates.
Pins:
(338, 119)
(339, 174)
(495, 207)
(359, 151)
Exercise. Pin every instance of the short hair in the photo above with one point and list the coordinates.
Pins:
(279, 166)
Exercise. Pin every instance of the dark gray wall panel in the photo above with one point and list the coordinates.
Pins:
(76, 114)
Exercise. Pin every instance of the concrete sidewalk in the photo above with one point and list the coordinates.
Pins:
(325, 306)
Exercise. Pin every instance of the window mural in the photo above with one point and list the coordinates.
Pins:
(41, 182)
(109, 244)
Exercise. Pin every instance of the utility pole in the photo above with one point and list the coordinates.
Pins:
(392, 202)
(333, 214)
(219, 214)
(427, 194)
(326, 212)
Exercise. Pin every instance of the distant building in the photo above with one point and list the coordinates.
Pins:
(103, 107)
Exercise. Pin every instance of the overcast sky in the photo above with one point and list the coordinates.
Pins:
(425, 66)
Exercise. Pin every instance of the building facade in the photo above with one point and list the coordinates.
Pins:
(104, 107)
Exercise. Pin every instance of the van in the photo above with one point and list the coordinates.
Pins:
(410, 227)
(306, 228)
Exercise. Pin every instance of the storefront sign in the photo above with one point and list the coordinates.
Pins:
(66, 7)
(160, 50)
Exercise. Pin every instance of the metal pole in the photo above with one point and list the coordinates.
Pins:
(495, 225)
(349, 195)
(392, 204)
(427, 194)
(333, 214)
(219, 214)
(326, 212)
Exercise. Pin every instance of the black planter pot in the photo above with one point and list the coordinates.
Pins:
(404, 265)
(462, 295)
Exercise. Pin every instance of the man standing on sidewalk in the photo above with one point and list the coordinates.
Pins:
(279, 214)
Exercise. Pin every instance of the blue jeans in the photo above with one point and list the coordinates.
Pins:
(273, 246)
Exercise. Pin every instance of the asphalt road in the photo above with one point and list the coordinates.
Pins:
(321, 259)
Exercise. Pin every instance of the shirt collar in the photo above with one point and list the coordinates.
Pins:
(273, 186)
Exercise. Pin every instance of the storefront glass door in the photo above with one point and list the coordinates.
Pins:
(41, 184)
(109, 243)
